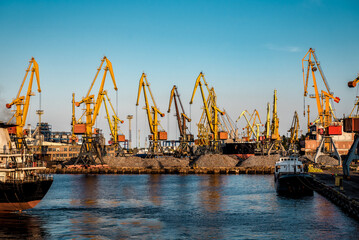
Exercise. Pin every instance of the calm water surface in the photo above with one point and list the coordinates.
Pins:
(176, 207)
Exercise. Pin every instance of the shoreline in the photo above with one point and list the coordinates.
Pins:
(165, 170)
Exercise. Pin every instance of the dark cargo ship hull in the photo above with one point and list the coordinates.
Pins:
(21, 195)
(294, 185)
(239, 148)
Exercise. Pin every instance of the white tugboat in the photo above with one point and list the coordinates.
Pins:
(290, 177)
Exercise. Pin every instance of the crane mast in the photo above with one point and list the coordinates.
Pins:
(92, 113)
(152, 115)
(351, 126)
(250, 125)
(273, 142)
(113, 122)
(182, 118)
(22, 103)
(267, 126)
(322, 98)
(92, 148)
(210, 112)
(325, 112)
(294, 134)
(275, 120)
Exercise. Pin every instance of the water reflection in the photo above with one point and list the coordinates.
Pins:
(21, 226)
(154, 188)
(210, 192)
(87, 193)
(178, 207)
(210, 196)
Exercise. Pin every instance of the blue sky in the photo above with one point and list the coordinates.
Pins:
(246, 49)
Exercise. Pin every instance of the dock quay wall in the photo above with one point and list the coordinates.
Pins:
(348, 205)
(176, 170)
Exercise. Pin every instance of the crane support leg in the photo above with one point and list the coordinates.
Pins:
(352, 155)
(321, 149)
(91, 150)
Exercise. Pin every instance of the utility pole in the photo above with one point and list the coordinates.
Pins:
(129, 117)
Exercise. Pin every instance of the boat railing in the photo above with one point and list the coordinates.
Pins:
(33, 178)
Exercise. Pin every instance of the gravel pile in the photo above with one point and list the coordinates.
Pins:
(260, 161)
(215, 160)
(327, 160)
(137, 162)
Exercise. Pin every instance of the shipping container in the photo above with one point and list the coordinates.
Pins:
(222, 135)
(79, 128)
(351, 125)
(121, 138)
(162, 135)
(334, 130)
(12, 130)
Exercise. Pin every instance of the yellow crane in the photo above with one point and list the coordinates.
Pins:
(182, 118)
(352, 84)
(253, 121)
(267, 125)
(74, 138)
(273, 142)
(351, 126)
(22, 103)
(92, 148)
(113, 123)
(322, 99)
(152, 116)
(229, 126)
(292, 149)
(250, 125)
(210, 112)
(325, 112)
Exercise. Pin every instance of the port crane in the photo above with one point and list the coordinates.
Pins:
(22, 104)
(185, 138)
(229, 125)
(92, 147)
(273, 142)
(251, 123)
(325, 112)
(113, 122)
(267, 125)
(211, 111)
(352, 84)
(153, 114)
(253, 127)
(292, 149)
(351, 124)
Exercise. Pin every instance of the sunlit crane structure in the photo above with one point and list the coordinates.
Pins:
(228, 126)
(185, 138)
(293, 140)
(22, 104)
(254, 127)
(272, 144)
(211, 112)
(153, 114)
(310, 65)
(92, 147)
(351, 125)
(113, 122)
